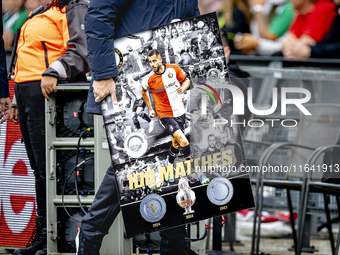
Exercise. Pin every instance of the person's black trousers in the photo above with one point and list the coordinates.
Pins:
(31, 113)
(104, 210)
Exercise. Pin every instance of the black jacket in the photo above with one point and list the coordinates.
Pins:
(329, 47)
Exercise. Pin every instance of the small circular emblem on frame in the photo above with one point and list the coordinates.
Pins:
(152, 208)
(220, 191)
(119, 58)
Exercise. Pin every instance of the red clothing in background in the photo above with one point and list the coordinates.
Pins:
(316, 23)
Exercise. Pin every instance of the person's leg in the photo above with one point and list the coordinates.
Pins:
(140, 111)
(35, 110)
(181, 138)
(103, 211)
(144, 116)
(135, 120)
(173, 152)
(178, 137)
(31, 105)
(173, 241)
(30, 102)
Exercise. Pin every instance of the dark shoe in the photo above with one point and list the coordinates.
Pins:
(38, 239)
(42, 252)
(89, 245)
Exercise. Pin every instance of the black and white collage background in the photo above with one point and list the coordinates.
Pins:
(196, 46)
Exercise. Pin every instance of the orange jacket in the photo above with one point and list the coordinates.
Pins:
(53, 43)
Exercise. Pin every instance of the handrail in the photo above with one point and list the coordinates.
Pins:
(283, 59)
(292, 73)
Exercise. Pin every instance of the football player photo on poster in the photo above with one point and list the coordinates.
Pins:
(175, 157)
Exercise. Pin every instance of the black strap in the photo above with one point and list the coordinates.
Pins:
(13, 54)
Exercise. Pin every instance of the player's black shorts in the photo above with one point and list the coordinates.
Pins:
(138, 103)
(173, 124)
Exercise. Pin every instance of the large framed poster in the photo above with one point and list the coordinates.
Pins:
(184, 164)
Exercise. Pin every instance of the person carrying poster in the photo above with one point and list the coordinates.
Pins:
(116, 18)
(154, 195)
(164, 82)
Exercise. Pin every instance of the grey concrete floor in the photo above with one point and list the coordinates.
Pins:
(281, 246)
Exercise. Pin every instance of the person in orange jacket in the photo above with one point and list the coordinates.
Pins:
(51, 46)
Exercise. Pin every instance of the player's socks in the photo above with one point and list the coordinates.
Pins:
(172, 154)
(136, 123)
(187, 152)
(146, 117)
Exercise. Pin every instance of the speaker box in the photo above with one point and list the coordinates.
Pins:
(66, 162)
(72, 118)
(68, 228)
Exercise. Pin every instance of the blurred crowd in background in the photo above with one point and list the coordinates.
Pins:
(14, 14)
(290, 28)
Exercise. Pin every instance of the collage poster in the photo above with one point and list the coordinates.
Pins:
(184, 164)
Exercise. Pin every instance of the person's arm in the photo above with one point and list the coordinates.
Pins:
(182, 78)
(282, 21)
(263, 26)
(146, 97)
(289, 38)
(262, 23)
(75, 61)
(267, 47)
(5, 109)
(325, 50)
(320, 50)
(147, 101)
(306, 39)
(298, 48)
(257, 8)
(184, 87)
(100, 24)
(14, 111)
(321, 20)
(246, 42)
